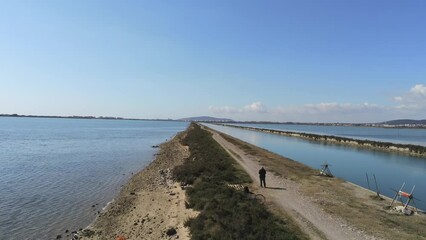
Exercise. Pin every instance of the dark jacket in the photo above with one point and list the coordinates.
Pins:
(262, 173)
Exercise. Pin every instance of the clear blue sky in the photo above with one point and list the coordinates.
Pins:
(311, 61)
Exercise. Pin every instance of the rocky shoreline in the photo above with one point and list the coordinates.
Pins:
(410, 149)
(150, 206)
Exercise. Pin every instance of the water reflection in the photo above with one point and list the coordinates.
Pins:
(396, 135)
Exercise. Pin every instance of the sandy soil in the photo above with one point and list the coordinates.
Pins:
(325, 208)
(150, 204)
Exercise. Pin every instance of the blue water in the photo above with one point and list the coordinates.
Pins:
(395, 135)
(349, 163)
(53, 170)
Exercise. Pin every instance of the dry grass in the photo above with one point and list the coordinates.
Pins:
(358, 206)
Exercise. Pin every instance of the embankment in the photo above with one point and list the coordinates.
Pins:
(414, 150)
(184, 194)
(329, 207)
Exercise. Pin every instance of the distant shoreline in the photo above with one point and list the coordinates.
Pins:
(415, 124)
(415, 150)
(85, 117)
(368, 125)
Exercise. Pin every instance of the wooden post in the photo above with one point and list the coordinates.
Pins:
(368, 181)
(377, 188)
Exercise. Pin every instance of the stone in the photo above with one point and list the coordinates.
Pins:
(171, 231)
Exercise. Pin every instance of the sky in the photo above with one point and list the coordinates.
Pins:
(307, 61)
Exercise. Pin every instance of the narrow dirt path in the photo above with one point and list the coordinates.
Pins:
(284, 193)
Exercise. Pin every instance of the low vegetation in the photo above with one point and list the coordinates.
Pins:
(225, 213)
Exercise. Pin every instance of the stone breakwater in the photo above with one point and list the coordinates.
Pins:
(410, 149)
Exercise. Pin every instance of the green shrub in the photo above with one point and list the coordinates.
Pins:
(225, 213)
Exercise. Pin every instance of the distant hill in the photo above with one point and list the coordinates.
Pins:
(405, 121)
(206, 119)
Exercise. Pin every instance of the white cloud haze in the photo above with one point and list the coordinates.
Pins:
(224, 109)
(411, 104)
(256, 107)
(414, 99)
(328, 108)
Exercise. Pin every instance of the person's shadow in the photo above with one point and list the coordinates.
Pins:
(276, 188)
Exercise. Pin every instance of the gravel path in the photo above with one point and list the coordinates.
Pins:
(285, 194)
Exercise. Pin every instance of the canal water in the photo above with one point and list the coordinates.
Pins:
(349, 163)
(396, 135)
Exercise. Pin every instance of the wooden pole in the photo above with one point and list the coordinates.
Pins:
(377, 188)
(368, 181)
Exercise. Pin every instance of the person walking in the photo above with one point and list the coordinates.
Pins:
(262, 176)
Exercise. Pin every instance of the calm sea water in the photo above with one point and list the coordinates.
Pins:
(53, 170)
(349, 163)
(395, 135)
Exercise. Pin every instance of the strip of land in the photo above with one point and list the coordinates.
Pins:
(153, 205)
(410, 149)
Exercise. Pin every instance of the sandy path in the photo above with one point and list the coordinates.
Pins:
(285, 194)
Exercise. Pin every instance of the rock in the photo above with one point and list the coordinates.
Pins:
(88, 233)
(59, 237)
(171, 231)
(66, 231)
